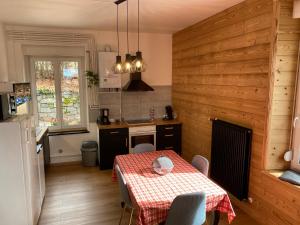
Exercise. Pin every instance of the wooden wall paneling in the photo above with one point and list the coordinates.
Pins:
(239, 66)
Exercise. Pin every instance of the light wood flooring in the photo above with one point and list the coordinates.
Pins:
(79, 195)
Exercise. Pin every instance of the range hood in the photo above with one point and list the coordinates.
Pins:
(136, 84)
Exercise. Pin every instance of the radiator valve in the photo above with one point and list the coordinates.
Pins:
(250, 200)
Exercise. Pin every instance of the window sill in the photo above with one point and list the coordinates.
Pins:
(275, 174)
(68, 132)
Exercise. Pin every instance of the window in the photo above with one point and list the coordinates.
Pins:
(59, 95)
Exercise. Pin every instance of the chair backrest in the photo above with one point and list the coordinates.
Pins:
(122, 185)
(188, 209)
(145, 147)
(201, 163)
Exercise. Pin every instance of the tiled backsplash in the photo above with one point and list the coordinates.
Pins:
(135, 105)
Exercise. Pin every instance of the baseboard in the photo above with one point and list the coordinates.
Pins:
(65, 159)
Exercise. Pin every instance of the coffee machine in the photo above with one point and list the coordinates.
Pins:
(104, 117)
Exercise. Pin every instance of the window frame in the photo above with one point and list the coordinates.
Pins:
(295, 161)
(57, 81)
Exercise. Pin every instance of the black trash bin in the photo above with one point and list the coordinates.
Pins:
(89, 153)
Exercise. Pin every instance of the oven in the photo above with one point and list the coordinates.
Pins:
(141, 134)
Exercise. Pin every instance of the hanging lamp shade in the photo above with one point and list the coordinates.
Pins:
(138, 64)
(118, 67)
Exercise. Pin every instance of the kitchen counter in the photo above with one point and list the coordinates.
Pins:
(125, 125)
(40, 131)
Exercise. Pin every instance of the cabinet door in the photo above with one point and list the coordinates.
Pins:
(113, 142)
(169, 137)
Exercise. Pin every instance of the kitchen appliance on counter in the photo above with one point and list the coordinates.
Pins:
(8, 106)
(141, 134)
(169, 113)
(4, 107)
(22, 93)
(104, 117)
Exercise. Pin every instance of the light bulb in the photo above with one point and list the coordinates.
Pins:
(127, 67)
(138, 64)
(117, 68)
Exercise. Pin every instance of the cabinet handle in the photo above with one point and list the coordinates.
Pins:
(170, 147)
(114, 132)
(169, 135)
(169, 128)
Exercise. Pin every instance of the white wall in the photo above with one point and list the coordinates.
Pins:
(156, 49)
(70, 145)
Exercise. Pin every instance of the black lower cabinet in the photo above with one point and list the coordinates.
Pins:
(113, 142)
(168, 137)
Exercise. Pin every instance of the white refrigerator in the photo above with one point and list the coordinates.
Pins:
(20, 196)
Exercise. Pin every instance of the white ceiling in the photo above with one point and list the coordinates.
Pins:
(164, 16)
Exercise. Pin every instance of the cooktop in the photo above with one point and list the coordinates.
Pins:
(139, 121)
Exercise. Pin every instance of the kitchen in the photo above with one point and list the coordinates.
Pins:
(87, 83)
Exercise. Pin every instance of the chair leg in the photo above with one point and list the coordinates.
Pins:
(131, 213)
(122, 204)
(124, 208)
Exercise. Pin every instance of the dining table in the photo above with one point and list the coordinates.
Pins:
(152, 194)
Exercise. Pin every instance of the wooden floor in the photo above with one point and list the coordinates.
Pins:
(78, 195)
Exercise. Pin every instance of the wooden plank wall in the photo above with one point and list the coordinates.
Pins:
(285, 69)
(222, 68)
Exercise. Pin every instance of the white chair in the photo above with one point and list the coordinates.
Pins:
(201, 164)
(124, 194)
(145, 147)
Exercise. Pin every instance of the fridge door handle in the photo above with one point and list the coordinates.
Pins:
(27, 135)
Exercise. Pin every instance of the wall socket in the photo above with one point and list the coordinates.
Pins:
(60, 151)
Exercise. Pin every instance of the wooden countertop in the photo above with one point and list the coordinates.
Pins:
(125, 125)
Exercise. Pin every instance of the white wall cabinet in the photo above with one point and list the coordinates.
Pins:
(3, 56)
(16, 62)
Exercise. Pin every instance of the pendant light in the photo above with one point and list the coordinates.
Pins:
(117, 67)
(138, 65)
(127, 66)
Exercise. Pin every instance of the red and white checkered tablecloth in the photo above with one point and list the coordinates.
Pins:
(153, 194)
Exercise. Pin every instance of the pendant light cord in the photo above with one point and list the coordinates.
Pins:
(118, 30)
(138, 25)
(127, 29)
